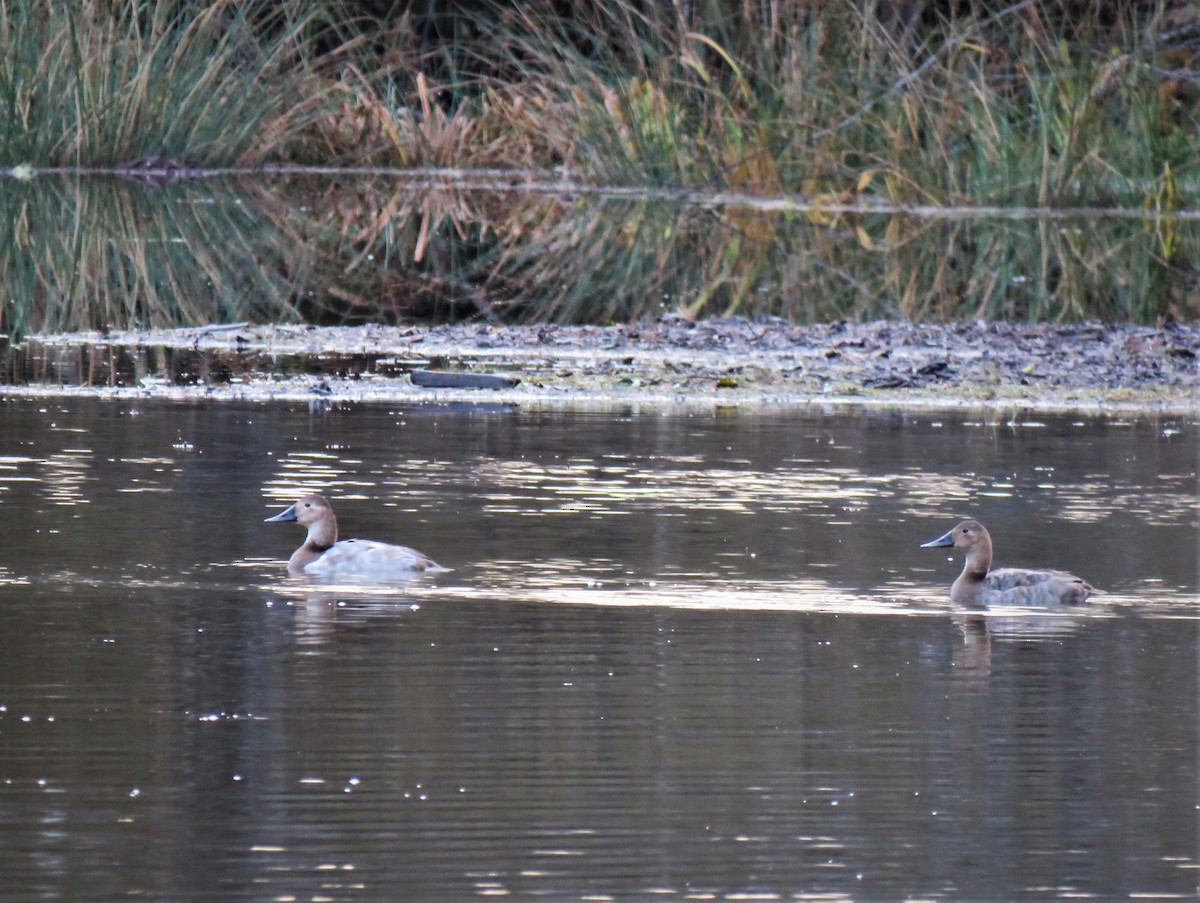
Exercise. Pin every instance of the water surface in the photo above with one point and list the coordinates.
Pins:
(698, 657)
(106, 253)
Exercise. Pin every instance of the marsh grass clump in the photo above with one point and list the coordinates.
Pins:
(1036, 103)
(222, 84)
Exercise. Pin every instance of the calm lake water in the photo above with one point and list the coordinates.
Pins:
(100, 253)
(680, 657)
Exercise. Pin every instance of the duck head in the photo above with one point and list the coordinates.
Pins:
(973, 538)
(306, 511)
(314, 513)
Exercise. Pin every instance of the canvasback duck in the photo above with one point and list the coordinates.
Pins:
(980, 586)
(321, 554)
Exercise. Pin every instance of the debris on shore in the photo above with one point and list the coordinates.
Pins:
(728, 360)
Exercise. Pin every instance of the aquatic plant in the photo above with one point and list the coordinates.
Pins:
(917, 104)
(222, 84)
(1037, 103)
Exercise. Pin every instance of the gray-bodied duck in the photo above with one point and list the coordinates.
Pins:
(978, 585)
(323, 555)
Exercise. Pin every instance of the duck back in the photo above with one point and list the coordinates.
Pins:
(368, 558)
(1022, 586)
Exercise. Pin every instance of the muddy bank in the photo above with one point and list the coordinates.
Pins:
(727, 361)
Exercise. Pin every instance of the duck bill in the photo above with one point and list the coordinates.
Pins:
(283, 517)
(944, 540)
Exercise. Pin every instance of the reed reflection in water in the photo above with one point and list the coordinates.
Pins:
(678, 655)
(99, 253)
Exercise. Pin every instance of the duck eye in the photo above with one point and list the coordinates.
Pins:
(308, 504)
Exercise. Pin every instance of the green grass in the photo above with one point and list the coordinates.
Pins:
(1037, 104)
(229, 84)
(994, 109)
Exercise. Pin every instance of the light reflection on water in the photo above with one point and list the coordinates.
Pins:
(685, 656)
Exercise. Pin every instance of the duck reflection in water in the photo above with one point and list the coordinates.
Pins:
(323, 555)
(979, 586)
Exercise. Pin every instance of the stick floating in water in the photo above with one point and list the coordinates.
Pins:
(438, 379)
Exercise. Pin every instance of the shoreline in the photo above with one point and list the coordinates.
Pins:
(1091, 368)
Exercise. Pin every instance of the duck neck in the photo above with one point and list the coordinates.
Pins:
(979, 561)
(971, 575)
(322, 535)
(967, 589)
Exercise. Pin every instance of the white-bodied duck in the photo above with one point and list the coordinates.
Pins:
(978, 585)
(322, 555)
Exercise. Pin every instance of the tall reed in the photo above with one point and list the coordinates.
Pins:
(222, 84)
(1035, 103)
